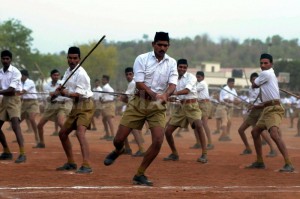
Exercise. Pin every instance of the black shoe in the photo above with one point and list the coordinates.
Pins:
(272, 154)
(6, 156)
(196, 146)
(172, 157)
(21, 158)
(210, 146)
(67, 167)
(138, 154)
(224, 139)
(84, 169)
(104, 137)
(287, 168)
(54, 134)
(110, 158)
(216, 132)
(141, 180)
(40, 146)
(127, 152)
(203, 159)
(110, 138)
(256, 165)
(246, 152)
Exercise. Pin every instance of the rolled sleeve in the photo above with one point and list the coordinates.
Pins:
(173, 78)
(16, 80)
(139, 70)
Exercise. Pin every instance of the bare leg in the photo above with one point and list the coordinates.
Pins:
(169, 137)
(243, 136)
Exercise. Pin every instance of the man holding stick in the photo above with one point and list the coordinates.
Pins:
(271, 115)
(156, 78)
(79, 89)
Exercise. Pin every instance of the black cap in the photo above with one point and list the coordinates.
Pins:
(74, 50)
(161, 36)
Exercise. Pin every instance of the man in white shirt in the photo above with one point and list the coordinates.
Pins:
(97, 97)
(188, 113)
(78, 87)
(125, 98)
(255, 108)
(224, 109)
(205, 106)
(156, 78)
(272, 114)
(10, 108)
(30, 105)
(55, 111)
(108, 109)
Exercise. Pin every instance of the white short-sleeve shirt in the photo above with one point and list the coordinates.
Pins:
(187, 81)
(254, 96)
(106, 96)
(268, 84)
(227, 95)
(78, 83)
(10, 78)
(202, 90)
(155, 74)
(29, 87)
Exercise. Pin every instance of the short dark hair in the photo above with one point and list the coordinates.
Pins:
(128, 70)
(230, 80)
(253, 75)
(24, 72)
(54, 71)
(5, 53)
(182, 61)
(106, 77)
(201, 73)
(266, 56)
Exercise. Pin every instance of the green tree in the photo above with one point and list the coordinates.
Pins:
(16, 38)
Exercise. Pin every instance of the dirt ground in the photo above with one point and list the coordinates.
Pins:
(223, 176)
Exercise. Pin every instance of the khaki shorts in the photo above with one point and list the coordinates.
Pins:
(296, 113)
(271, 116)
(185, 114)
(10, 108)
(206, 108)
(224, 113)
(81, 114)
(253, 116)
(108, 109)
(29, 106)
(140, 110)
(57, 109)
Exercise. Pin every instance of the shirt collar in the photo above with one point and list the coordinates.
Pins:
(9, 69)
(166, 57)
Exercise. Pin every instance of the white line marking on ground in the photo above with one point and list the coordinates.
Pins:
(256, 189)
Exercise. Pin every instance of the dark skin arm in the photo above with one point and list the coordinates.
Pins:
(158, 97)
(64, 92)
(123, 98)
(8, 92)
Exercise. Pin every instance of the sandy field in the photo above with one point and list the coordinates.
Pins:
(223, 176)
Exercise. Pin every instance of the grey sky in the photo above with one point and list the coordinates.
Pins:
(57, 24)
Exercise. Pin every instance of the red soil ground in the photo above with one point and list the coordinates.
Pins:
(223, 177)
